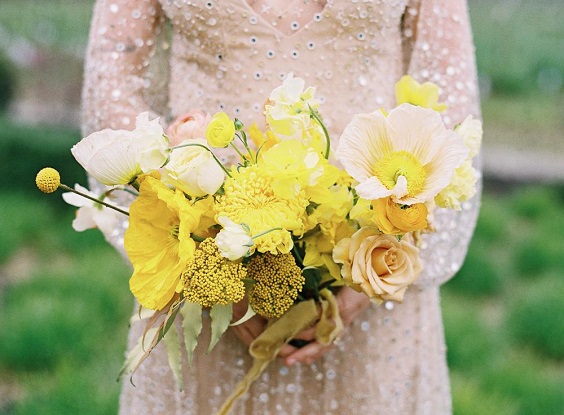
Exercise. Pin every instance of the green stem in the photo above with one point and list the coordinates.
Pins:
(237, 150)
(297, 255)
(211, 152)
(325, 132)
(265, 232)
(246, 144)
(70, 189)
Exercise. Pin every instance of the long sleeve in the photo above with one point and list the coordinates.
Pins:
(442, 51)
(117, 82)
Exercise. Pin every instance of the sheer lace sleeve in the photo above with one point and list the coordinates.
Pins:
(122, 41)
(442, 51)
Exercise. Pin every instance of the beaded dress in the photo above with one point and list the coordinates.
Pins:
(228, 55)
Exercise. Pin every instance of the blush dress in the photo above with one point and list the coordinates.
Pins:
(172, 56)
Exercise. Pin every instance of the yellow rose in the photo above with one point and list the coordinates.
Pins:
(379, 265)
(220, 131)
(395, 219)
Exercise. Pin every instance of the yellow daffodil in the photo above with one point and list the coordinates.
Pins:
(408, 155)
(425, 95)
(158, 241)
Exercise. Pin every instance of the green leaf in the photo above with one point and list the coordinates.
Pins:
(250, 313)
(139, 352)
(172, 343)
(192, 326)
(220, 317)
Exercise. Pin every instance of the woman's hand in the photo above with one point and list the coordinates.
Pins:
(250, 329)
(351, 305)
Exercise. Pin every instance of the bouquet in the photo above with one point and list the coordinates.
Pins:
(283, 225)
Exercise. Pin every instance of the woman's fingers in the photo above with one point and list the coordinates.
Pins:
(308, 354)
(250, 330)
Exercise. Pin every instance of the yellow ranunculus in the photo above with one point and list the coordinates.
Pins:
(220, 131)
(425, 95)
(394, 219)
(158, 241)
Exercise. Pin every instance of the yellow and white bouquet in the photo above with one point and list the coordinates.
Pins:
(280, 226)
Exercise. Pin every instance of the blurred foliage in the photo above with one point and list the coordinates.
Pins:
(23, 153)
(516, 53)
(8, 81)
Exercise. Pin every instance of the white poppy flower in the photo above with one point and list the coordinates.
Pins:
(408, 155)
(116, 157)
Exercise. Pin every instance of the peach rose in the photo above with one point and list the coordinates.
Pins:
(189, 126)
(379, 265)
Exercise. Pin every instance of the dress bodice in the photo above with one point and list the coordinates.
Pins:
(234, 56)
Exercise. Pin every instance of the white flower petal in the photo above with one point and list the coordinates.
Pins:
(372, 189)
(364, 140)
(416, 130)
(84, 219)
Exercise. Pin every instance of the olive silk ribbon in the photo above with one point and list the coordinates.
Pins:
(279, 332)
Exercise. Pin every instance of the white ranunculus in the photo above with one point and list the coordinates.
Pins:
(116, 157)
(233, 241)
(193, 170)
(91, 215)
(471, 131)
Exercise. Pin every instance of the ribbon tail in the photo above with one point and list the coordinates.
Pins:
(266, 346)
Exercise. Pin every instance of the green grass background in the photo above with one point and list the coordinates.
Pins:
(64, 299)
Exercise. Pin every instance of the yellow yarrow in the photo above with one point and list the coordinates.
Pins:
(249, 198)
(211, 279)
(48, 180)
(278, 282)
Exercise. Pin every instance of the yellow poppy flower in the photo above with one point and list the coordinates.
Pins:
(425, 95)
(158, 241)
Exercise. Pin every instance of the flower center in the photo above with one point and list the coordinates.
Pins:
(174, 230)
(401, 163)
